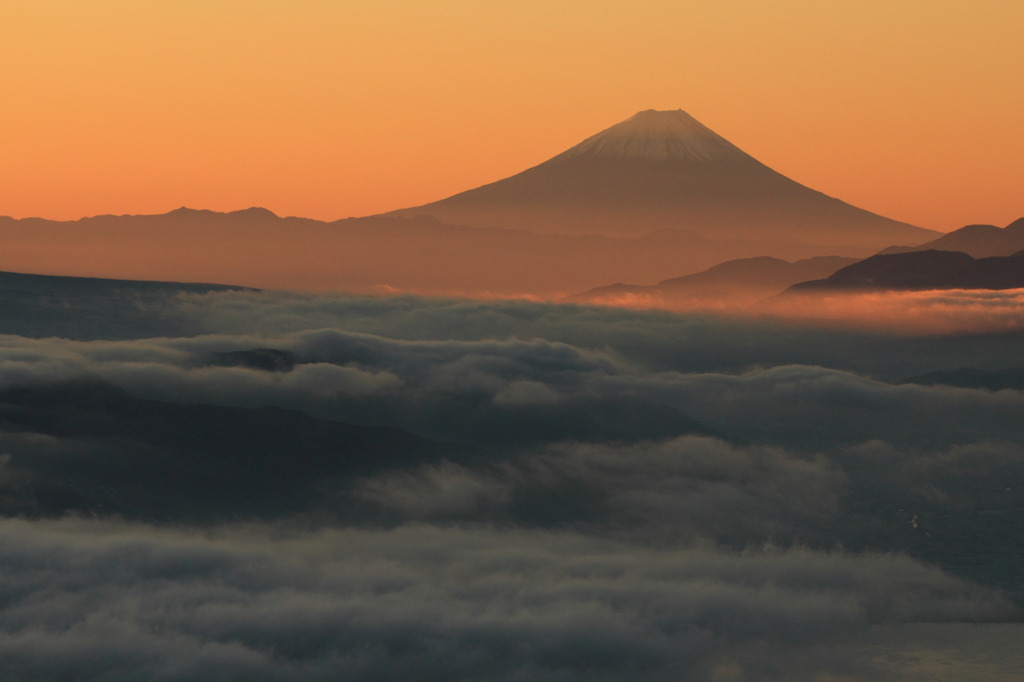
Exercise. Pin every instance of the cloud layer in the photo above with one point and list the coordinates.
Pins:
(107, 600)
(509, 392)
(609, 494)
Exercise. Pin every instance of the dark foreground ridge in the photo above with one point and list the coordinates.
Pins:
(89, 308)
(60, 284)
(922, 270)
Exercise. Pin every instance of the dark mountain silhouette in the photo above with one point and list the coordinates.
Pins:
(664, 169)
(365, 255)
(737, 281)
(979, 241)
(56, 285)
(918, 270)
(90, 308)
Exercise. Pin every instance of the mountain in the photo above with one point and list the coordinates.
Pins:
(980, 241)
(919, 270)
(651, 198)
(60, 286)
(665, 170)
(256, 248)
(90, 308)
(733, 282)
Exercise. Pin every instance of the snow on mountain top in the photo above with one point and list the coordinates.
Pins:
(657, 135)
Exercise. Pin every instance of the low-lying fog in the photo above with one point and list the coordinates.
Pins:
(548, 492)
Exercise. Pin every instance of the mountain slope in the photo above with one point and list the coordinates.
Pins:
(41, 305)
(664, 169)
(979, 241)
(733, 281)
(920, 270)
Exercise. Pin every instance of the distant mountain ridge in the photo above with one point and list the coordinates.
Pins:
(651, 198)
(256, 248)
(921, 270)
(736, 279)
(979, 241)
(664, 169)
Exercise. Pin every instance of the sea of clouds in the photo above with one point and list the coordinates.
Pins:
(630, 494)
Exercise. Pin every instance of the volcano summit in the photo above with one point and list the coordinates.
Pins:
(665, 170)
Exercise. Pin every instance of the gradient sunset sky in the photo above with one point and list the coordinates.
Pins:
(911, 109)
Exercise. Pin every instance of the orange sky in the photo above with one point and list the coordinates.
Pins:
(328, 109)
